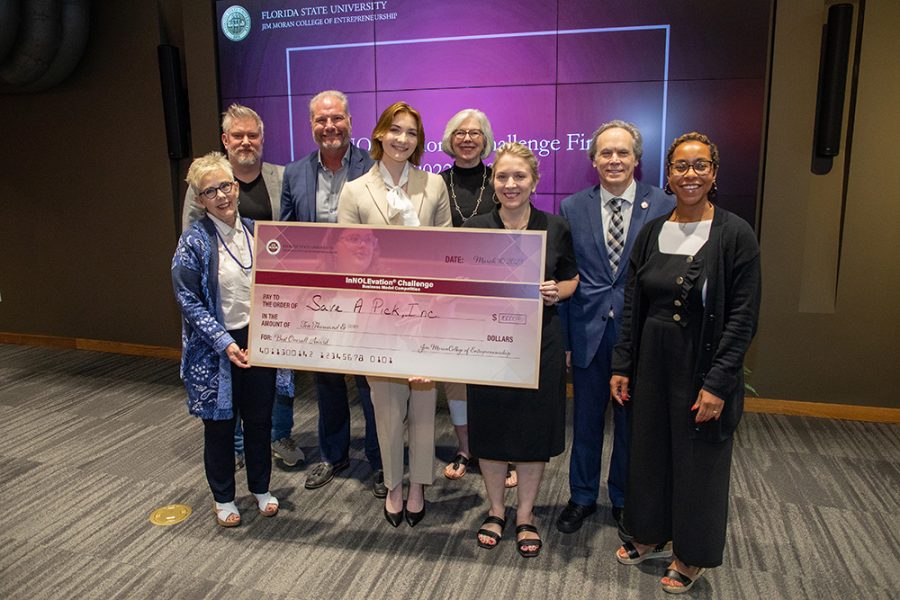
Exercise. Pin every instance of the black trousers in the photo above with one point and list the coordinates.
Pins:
(252, 395)
(678, 483)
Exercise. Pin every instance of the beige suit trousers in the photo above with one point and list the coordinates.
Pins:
(396, 401)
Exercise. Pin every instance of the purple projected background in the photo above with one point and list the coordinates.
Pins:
(544, 72)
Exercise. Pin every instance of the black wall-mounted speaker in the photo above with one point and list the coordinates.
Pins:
(833, 63)
(175, 104)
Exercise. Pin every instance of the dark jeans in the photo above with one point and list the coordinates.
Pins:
(334, 419)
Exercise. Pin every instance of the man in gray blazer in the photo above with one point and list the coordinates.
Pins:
(243, 134)
(312, 187)
(604, 220)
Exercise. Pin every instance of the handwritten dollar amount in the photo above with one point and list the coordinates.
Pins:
(509, 318)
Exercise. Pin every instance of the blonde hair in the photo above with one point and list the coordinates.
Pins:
(239, 111)
(518, 150)
(203, 166)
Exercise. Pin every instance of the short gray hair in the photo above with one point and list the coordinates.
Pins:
(454, 123)
(239, 111)
(631, 128)
(203, 166)
(329, 93)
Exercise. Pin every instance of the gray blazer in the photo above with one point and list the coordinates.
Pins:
(272, 176)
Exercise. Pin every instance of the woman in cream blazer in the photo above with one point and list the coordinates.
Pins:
(396, 192)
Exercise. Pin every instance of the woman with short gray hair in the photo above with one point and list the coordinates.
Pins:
(468, 140)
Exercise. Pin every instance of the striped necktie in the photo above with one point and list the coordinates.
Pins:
(615, 236)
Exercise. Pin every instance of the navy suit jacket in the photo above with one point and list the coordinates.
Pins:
(298, 194)
(586, 313)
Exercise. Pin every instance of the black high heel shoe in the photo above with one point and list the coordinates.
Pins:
(393, 518)
(413, 518)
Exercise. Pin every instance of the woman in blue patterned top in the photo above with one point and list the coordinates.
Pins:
(211, 275)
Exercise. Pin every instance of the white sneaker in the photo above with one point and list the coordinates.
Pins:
(287, 451)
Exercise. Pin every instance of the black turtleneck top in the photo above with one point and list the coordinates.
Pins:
(465, 191)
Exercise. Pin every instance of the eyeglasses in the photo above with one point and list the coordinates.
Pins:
(359, 240)
(701, 167)
(211, 193)
(474, 134)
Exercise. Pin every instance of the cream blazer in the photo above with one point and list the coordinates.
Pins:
(364, 200)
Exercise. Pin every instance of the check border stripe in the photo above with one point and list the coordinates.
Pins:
(416, 285)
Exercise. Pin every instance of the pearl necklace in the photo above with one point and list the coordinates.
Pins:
(477, 200)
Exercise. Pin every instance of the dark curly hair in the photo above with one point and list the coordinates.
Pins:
(694, 136)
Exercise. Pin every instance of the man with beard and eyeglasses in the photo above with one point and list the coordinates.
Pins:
(259, 182)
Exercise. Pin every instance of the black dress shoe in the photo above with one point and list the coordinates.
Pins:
(323, 473)
(393, 518)
(618, 514)
(572, 515)
(378, 488)
(414, 517)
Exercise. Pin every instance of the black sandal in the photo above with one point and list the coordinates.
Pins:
(458, 461)
(525, 542)
(686, 582)
(490, 520)
(634, 557)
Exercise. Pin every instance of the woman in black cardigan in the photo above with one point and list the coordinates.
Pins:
(691, 308)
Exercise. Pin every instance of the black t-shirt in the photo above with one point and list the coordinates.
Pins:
(254, 200)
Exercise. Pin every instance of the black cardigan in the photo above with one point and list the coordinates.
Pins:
(729, 316)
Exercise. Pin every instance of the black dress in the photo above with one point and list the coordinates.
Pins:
(466, 196)
(524, 425)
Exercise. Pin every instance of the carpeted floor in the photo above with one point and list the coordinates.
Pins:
(91, 444)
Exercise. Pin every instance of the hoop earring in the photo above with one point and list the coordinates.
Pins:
(495, 198)
(667, 189)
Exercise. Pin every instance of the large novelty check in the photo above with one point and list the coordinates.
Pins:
(446, 304)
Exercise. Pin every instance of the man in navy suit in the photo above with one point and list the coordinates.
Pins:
(604, 220)
(312, 187)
